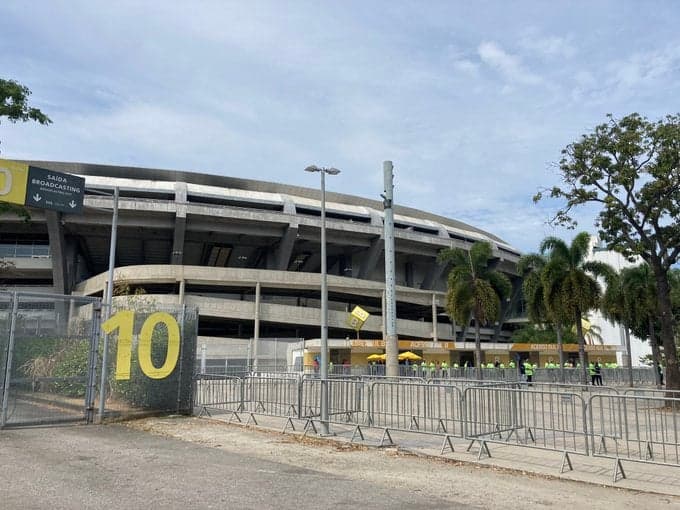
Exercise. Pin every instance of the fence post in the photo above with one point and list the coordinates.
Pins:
(300, 383)
(92, 361)
(8, 360)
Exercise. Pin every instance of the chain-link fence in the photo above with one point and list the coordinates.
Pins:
(239, 357)
(149, 360)
(47, 363)
(55, 362)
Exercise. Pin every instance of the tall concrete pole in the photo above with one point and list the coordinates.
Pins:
(256, 328)
(108, 305)
(323, 373)
(112, 255)
(435, 336)
(324, 314)
(390, 311)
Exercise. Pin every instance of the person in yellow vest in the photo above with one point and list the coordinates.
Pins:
(511, 364)
(445, 369)
(591, 372)
(415, 370)
(432, 368)
(528, 371)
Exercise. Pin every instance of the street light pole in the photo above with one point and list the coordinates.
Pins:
(108, 305)
(324, 299)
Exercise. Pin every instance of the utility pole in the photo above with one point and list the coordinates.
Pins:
(390, 310)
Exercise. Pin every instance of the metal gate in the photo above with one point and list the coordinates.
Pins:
(48, 358)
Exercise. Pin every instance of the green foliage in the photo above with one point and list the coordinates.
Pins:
(53, 358)
(14, 104)
(475, 289)
(29, 349)
(72, 362)
(569, 289)
(531, 267)
(15, 108)
(630, 169)
(535, 335)
(140, 391)
(21, 212)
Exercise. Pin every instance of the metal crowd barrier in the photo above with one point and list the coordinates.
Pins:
(416, 408)
(527, 417)
(218, 392)
(635, 428)
(346, 399)
(641, 425)
(273, 396)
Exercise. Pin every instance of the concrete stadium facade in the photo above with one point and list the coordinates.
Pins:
(246, 253)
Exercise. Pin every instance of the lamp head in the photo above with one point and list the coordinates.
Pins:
(332, 171)
(312, 168)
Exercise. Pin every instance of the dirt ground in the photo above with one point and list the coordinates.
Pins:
(441, 480)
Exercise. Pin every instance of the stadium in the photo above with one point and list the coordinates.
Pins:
(246, 254)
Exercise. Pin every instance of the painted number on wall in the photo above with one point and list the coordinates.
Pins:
(123, 321)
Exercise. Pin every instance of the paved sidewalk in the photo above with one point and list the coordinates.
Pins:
(643, 477)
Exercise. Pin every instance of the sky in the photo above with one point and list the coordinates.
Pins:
(472, 101)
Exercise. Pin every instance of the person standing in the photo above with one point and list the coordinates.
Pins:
(591, 373)
(528, 371)
(598, 373)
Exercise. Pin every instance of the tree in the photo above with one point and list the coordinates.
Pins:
(531, 267)
(15, 108)
(639, 288)
(617, 308)
(14, 104)
(474, 290)
(630, 169)
(570, 290)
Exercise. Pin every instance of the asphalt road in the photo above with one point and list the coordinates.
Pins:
(192, 463)
(114, 466)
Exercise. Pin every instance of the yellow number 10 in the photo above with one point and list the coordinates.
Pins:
(124, 321)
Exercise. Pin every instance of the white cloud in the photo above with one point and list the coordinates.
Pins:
(645, 68)
(266, 89)
(547, 46)
(509, 66)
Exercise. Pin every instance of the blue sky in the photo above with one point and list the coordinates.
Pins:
(473, 101)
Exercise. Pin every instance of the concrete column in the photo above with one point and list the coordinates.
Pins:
(177, 255)
(256, 329)
(55, 230)
(182, 287)
(435, 337)
(384, 318)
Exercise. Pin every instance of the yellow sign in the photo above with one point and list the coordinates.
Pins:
(13, 180)
(124, 321)
(406, 344)
(360, 314)
(565, 347)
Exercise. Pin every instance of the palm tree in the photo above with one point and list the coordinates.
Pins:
(638, 286)
(570, 290)
(531, 267)
(475, 289)
(593, 334)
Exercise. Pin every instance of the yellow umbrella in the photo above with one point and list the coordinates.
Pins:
(408, 355)
(376, 357)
